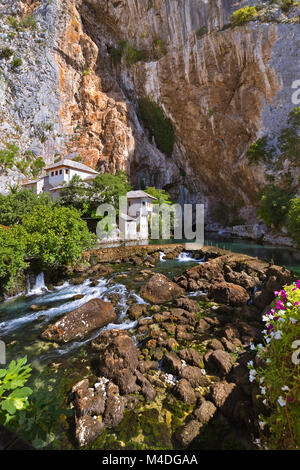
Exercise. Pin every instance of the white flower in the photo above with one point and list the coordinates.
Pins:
(263, 390)
(288, 304)
(250, 364)
(252, 375)
(281, 312)
(293, 320)
(265, 318)
(252, 347)
(261, 424)
(285, 388)
(268, 360)
(265, 402)
(278, 334)
(281, 401)
(261, 380)
(268, 340)
(260, 346)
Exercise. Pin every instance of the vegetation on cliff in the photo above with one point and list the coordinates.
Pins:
(160, 128)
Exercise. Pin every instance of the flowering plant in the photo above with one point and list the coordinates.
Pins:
(279, 378)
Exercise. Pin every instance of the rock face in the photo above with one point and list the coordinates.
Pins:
(159, 289)
(76, 324)
(71, 97)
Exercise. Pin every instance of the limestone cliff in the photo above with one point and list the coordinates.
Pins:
(220, 87)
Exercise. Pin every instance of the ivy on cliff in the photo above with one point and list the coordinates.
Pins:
(160, 128)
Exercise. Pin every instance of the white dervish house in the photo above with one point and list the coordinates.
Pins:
(134, 224)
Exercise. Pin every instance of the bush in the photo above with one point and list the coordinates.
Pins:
(13, 394)
(16, 63)
(202, 31)
(6, 53)
(243, 15)
(12, 253)
(279, 378)
(130, 54)
(260, 151)
(273, 205)
(289, 140)
(17, 204)
(158, 125)
(294, 219)
(57, 236)
(287, 4)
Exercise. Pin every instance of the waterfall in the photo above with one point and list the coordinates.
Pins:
(184, 257)
(39, 286)
(161, 256)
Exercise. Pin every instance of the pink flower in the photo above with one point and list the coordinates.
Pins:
(280, 305)
(296, 303)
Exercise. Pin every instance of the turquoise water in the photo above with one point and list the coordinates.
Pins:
(280, 255)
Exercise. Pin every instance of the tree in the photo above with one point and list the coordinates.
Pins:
(86, 197)
(19, 203)
(160, 194)
(12, 251)
(273, 205)
(57, 236)
(294, 219)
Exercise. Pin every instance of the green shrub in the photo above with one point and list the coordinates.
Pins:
(158, 125)
(28, 22)
(56, 237)
(294, 219)
(278, 377)
(202, 31)
(8, 157)
(13, 394)
(16, 63)
(6, 53)
(273, 205)
(289, 140)
(19, 203)
(12, 253)
(125, 50)
(243, 15)
(260, 151)
(287, 4)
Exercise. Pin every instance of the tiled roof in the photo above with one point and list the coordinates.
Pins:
(138, 194)
(72, 164)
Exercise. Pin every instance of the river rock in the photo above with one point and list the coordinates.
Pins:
(121, 353)
(76, 324)
(219, 361)
(191, 356)
(159, 289)
(171, 363)
(221, 391)
(136, 311)
(184, 392)
(86, 400)
(228, 293)
(194, 376)
(205, 412)
(114, 411)
(188, 432)
(88, 428)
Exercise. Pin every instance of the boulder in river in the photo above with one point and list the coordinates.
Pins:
(159, 289)
(79, 322)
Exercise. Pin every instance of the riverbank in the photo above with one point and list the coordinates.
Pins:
(169, 370)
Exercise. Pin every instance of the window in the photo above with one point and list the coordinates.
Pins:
(60, 172)
(67, 172)
(56, 173)
(52, 173)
